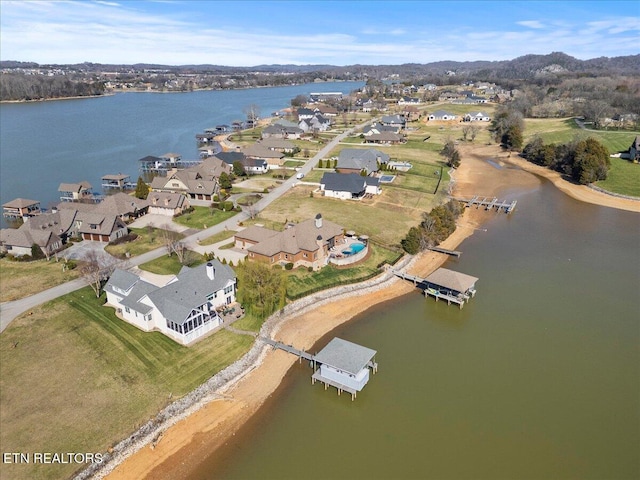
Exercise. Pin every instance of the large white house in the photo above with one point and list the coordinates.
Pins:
(184, 309)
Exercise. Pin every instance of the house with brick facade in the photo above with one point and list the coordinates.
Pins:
(305, 244)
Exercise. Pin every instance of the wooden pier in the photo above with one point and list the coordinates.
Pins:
(453, 253)
(288, 348)
(489, 203)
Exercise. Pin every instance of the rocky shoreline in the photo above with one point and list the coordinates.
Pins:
(214, 388)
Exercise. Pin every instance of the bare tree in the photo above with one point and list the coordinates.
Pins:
(96, 268)
(252, 112)
(474, 132)
(173, 243)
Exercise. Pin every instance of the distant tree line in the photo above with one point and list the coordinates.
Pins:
(586, 160)
(15, 86)
(435, 227)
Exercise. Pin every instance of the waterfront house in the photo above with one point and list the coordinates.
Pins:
(124, 206)
(326, 110)
(273, 158)
(282, 129)
(376, 128)
(317, 123)
(100, 227)
(168, 204)
(305, 113)
(349, 186)
(198, 182)
(385, 138)
(19, 242)
(75, 192)
(50, 231)
(409, 101)
(356, 160)
(441, 115)
(185, 309)
(395, 121)
(21, 208)
(306, 244)
(344, 365)
(476, 117)
(278, 145)
(251, 166)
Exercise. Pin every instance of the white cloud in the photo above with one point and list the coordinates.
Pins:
(531, 24)
(111, 32)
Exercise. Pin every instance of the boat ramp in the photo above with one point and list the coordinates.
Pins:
(341, 364)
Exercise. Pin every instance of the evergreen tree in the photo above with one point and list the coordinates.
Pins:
(142, 189)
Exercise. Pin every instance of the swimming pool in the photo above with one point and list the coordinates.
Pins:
(354, 248)
(387, 178)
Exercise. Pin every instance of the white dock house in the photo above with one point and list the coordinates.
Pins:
(345, 366)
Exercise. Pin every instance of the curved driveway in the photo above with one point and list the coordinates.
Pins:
(10, 310)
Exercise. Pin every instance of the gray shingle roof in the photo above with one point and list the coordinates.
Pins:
(190, 290)
(122, 279)
(359, 158)
(343, 182)
(346, 356)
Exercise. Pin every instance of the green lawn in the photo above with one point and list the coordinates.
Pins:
(148, 239)
(218, 237)
(170, 265)
(302, 282)
(386, 218)
(623, 178)
(77, 379)
(563, 130)
(203, 217)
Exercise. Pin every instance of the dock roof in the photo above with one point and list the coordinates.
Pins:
(457, 281)
(346, 356)
(20, 203)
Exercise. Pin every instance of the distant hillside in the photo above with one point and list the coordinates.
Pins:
(524, 68)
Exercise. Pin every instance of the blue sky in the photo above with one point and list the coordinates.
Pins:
(246, 33)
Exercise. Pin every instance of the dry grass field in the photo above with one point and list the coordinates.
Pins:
(21, 279)
(77, 379)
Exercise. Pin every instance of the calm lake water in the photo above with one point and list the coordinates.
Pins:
(43, 144)
(537, 377)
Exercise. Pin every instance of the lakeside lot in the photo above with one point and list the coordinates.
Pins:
(76, 378)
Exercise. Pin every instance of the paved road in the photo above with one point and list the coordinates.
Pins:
(10, 310)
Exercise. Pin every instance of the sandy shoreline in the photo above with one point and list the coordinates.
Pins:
(184, 444)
